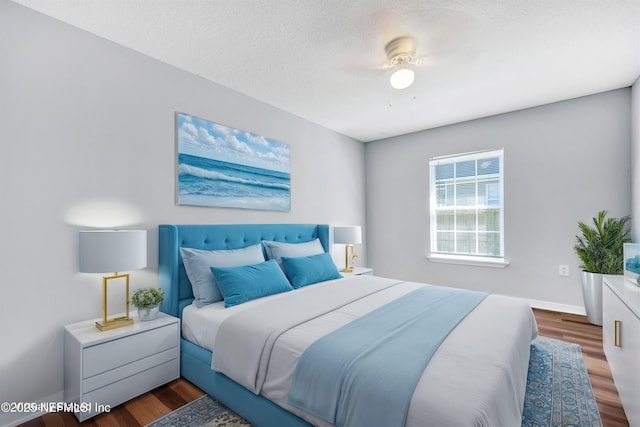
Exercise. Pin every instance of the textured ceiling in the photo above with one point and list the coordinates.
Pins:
(321, 59)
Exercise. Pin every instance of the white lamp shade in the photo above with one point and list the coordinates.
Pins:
(348, 235)
(402, 78)
(108, 251)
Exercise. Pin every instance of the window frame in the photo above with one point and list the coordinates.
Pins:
(460, 257)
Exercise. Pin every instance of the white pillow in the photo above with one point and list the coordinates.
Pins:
(198, 263)
(276, 250)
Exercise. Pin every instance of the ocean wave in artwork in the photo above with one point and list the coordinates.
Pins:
(218, 176)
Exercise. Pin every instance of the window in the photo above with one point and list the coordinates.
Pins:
(467, 203)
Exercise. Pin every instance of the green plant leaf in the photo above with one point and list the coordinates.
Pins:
(601, 247)
(146, 298)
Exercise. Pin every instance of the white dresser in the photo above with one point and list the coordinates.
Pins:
(105, 369)
(621, 341)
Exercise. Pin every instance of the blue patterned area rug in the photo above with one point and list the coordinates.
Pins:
(202, 412)
(558, 394)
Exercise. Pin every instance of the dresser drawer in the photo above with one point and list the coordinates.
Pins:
(621, 341)
(113, 354)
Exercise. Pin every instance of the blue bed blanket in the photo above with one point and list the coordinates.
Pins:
(364, 373)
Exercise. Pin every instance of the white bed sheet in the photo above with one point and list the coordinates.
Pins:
(492, 375)
(200, 325)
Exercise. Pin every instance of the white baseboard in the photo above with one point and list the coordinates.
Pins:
(14, 419)
(554, 306)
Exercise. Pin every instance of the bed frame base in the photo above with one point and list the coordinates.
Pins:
(195, 366)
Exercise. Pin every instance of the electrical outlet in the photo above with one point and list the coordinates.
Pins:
(563, 270)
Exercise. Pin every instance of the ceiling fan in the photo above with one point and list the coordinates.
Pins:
(401, 55)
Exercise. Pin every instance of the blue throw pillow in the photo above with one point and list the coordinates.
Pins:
(303, 271)
(247, 282)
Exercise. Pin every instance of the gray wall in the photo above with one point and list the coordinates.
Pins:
(563, 163)
(635, 159)
(87, 140)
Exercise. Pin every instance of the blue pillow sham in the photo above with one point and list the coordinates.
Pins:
(277, 250)
(247, 282)
(303, 271)
(197, 263)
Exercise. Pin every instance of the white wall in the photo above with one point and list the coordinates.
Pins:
(635, 160)
(563, 163)
(87, 139)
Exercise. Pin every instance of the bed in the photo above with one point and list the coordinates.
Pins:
(476, 374)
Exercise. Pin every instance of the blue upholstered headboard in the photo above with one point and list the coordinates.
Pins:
(172, 275)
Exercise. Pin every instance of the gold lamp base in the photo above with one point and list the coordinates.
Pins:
(117, 322)
(349, 257)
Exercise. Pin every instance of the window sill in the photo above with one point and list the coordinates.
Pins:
(477, 261)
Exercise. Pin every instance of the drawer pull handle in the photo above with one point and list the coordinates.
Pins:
(616, 333)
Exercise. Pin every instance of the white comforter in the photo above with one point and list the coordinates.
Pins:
(476, 378)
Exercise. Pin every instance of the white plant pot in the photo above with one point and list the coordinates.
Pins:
(592, 296)
(148, 313)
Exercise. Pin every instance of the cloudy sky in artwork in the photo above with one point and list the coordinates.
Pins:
(203, 138)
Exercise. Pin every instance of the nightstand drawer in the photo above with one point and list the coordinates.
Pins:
(113, 354)
(130, 387)
(109, 377)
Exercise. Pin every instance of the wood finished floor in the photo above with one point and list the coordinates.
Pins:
(153, 405)
(576, 330)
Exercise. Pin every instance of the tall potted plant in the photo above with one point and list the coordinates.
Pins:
(600, 249)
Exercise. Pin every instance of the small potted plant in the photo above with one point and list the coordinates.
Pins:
(600, 249)
(147, 301)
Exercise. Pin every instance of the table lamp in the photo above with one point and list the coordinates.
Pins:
(349, 236)
(108, 251)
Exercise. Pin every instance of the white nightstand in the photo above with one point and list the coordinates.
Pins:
(105, 369)
(359, 271)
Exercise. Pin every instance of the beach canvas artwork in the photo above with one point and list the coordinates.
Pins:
(226, 167)
(631, 253)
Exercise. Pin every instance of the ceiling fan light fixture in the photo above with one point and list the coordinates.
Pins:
(402, 78)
